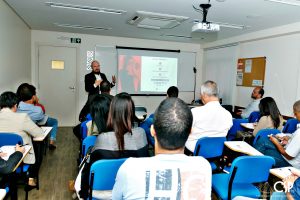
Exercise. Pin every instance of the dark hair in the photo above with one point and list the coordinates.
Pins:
(8, 100)
(268, 107)
(172, 123)
(121, 116)
(261, 92)
(99, 112)
(26, 91)
(104, 87)
(172, 91)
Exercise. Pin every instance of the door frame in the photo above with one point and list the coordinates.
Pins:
(35, 69)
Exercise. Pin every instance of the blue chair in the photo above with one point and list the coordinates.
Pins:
(210, 148)
(13, 139)
(290, 126)
(86, 143)
(236, 126)
(146, 126)
(265, 133)
(83, 129)
(254, 117)
(10, 139)
(242, 175)
(103, 174)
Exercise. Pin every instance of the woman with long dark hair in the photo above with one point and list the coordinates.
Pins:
(99, 112)
(122, 140)
(270, 115)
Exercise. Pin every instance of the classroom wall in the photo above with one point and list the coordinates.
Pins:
(14, 50)
(281, 47)
(88, 43)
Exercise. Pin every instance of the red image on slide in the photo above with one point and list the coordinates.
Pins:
(129, 73)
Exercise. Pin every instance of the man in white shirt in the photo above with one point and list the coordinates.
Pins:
(257, 94)
(169, 174)
(210, 120)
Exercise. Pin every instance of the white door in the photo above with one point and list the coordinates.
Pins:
(57, 78)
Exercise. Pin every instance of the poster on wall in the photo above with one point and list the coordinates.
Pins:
(239, 78)
(89, 59)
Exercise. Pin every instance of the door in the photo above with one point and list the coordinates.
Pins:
(57, 78)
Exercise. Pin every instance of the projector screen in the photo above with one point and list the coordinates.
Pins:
(146, 72)
(112, 61)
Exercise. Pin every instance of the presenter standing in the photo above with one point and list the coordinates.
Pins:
(92, 80)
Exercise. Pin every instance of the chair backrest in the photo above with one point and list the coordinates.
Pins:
(83, 129)
(103, 173)
(86, 143)
(290, 126)
(10, 139)
(88, 117)
(254, 117)
(210, 147)
(243, 171)
(265, 133)
(236, 126)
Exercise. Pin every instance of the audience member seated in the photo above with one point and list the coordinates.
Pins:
(21, 124)
(122, 141)
(105, 88)
(6, 168)
(286, 152)
(99, 112)
(210, 120)
(28, 98)
(257, 94)
(169, 174)
(270, 115)
(171, 92)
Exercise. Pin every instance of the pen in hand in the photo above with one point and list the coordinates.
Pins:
(22, 145)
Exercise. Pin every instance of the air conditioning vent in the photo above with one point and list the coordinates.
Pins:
(156, 21)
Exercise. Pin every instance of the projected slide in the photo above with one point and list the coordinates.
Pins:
(146, 74)
(158, 74)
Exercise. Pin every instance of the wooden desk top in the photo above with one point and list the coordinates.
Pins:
(46, 130)
(2, 193)
(282, 172)
(10, 149)
(242, 147)
(248, 125)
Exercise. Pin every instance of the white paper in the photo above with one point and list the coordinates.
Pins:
(248, 66)
(239, 78)
(257, 83)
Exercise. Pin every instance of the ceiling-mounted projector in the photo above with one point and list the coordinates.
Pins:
(206, 27)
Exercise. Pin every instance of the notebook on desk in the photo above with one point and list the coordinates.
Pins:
(10, 149)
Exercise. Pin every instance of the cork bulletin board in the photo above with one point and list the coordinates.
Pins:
(251, 72)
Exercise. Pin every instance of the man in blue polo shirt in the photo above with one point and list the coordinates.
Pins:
(27, 95)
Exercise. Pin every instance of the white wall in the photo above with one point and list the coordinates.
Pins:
(282, 69)
(14, 50)
(281, 47)
(88, 43)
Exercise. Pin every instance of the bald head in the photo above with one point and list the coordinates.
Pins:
(257, 93)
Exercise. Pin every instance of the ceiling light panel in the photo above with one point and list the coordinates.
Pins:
(82, 27)
(288, 2)
(85, 8)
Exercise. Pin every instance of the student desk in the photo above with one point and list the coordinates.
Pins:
(282, 172)
(242, 147)
(248, 125)
(10, 149)
(2, 193)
